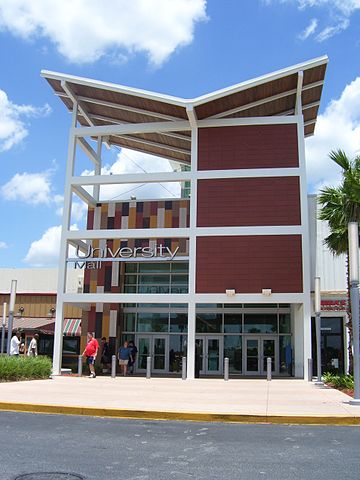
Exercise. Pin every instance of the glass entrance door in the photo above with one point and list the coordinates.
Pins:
(256, 352)
(211, 354)
(156, 347)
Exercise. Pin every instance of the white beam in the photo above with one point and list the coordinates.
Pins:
(84, 195)
(127, 108)
(125, 298)
(129, 128)
(127, 233)
(298, 103)
(110, 120)
(304, 107)
(156, 177)
(83, 247)
(89, 151)
(192, 116)
(151, 143)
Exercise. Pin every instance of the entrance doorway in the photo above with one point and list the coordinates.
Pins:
(211, 354)
(257, 350)
(156, 347)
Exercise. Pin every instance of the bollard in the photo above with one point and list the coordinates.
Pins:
(226, 368)
(80, 366)
(310, 369)
(183, 375)
(268, 369)
(113, 366)
(148, 367)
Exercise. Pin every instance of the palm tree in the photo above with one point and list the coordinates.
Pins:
(341, 205)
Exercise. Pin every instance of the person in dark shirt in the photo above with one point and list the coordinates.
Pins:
(105, 355)
(133, 355)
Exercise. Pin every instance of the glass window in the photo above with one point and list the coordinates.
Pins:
(233, 350)
(260, 305)
(179, 279)
(209, 305)
(154, 279)
(208, 322)
(260, 323)
(153, 322)
(129, 322)
(178, 322)
(284, 323)
(130, 289)
(131, 267)
(154, 289)
(71, 345)
(154, 267)
(332, 325)
(233, 305)
(232, 322)
(130, 279)
(180, 267)
(177, 349)
(285, 351)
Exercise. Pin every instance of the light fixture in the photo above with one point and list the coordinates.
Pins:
(230, 292)
(21, 311)
(266, 291)
(51, 312)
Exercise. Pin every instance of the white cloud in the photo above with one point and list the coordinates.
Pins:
(3, 245)
(13, 128)
(338, 127)
(32, 188)
(338, 15)
(45, 251)
(130, 161)
(309, 30)
(86, 30)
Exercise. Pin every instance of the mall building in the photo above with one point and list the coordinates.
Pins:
(225, 269)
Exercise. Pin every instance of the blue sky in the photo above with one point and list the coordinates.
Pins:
(179, 47)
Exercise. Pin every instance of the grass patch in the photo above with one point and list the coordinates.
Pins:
(24, 368)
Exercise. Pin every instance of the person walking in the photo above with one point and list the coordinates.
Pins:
(105, 356)
(124, 356)
(133, 355)
(15, 344)
(90, 352)
(33, 346)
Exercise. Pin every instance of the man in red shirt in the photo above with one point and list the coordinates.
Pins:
(90, 352)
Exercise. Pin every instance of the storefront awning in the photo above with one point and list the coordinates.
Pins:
(72, 327)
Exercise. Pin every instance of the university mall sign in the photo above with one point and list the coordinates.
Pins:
(92, 258)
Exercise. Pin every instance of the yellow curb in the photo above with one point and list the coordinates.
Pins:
(178, 416)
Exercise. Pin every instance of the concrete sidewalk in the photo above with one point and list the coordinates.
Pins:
(278, 401)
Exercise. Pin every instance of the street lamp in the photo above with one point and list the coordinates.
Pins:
(353, 233)
(318, 329)
(11, 314)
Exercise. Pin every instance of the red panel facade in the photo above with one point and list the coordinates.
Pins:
(248, 202)
(249, 263)
(248, 146)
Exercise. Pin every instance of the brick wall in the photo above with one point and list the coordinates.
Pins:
(249, 263)
(248, 146)
(248, 202)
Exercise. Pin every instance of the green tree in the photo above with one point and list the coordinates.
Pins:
(341, 205)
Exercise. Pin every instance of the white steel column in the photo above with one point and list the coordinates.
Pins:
(96, 192)
(305, 247)
(59, 319)
(192, 258)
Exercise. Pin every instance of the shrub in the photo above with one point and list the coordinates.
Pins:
(339, 381)
(24, 368)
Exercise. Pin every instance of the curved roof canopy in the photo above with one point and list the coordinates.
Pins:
(277, 93)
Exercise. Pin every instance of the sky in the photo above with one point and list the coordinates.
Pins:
(184, 48)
